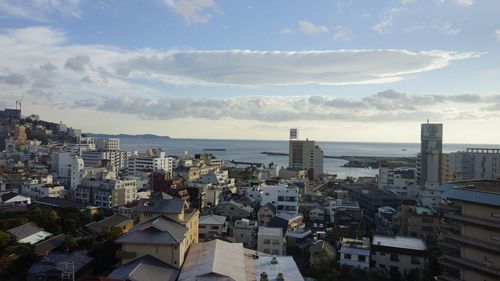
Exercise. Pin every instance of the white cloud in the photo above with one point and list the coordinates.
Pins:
(193, 11)
(342, 33)
(383, 25)
(50, 65)
(460, 3)
(286, 30)
(389, 105)
(39, 10)
(243, 67)
(446, 28)
(308, 27)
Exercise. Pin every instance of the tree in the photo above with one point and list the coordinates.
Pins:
(69, 244)
(4, 240)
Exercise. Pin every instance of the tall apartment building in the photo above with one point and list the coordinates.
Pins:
(429, 168)
(103, 158)
(107, 193)
(305, 154)
(475, 163)
(108, 144)
(471, 245)
(401, 181)
(149, 162)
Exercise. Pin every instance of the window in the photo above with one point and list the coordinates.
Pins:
(215, 227)
(276, 242)
(382, 253)
(347, 256)
(394, 257)
(381, 265)
(361, 258)
(267, 241)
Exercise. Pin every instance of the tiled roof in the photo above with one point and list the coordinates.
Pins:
(160, 230)
(146, 268)
(116, 220)
(24, 230)
(212, 219)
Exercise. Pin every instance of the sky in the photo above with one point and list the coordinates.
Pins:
(364, 71)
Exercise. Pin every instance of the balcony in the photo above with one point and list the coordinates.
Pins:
(482, 267)
(473, 220)
(474, 242)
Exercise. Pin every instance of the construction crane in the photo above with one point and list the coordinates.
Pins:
(19, 101)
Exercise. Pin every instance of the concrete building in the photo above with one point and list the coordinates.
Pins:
(77, 172)
(370, 198)
(76, 133)
(418, 221)
(149, 162)
(109, 158)
(401, 181)
(245, 231)
(40, 190)
(430, 168)
(355, 253)
(474, 163)
(284, 198)
(270, 240)
(107, 194)
(471, 231)
(108, 144)
(317, 213)
(305, 154)
(20, 134)
(405, 254)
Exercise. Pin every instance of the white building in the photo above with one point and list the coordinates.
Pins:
(355, 253)
(475, 163)
(77, 172)
(341, 206)
(305, 154)
(401, 253)
(106, 194)
(284, 198)
(108, 144)
(270, 240)
(112, 158)
(147, 163)
(40, 190)
(245, 231)
(401, 181)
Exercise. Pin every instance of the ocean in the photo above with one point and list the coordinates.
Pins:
(250, 151)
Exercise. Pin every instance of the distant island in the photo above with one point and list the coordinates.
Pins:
(149, 136)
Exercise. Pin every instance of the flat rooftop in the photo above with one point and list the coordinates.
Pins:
(270, 231)
(402, 242)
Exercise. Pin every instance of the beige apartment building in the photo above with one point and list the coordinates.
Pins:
(471, 232)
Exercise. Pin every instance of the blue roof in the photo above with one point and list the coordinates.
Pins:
(474, 196)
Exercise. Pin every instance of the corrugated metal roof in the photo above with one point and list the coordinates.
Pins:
(214, 260)
(25, 230)
(475, 196)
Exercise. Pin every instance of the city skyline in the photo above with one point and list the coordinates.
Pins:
(338, 71)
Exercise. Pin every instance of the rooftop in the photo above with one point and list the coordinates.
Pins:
(146, 268)
(270, 231)
(403, 242)
(473, 196)
(214, 260)
(155, 231)
(212, 219)
(116, 220)
(285, 265)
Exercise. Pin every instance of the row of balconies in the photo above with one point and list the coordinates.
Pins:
(474, 242)
(473, 220)
(458, 262)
